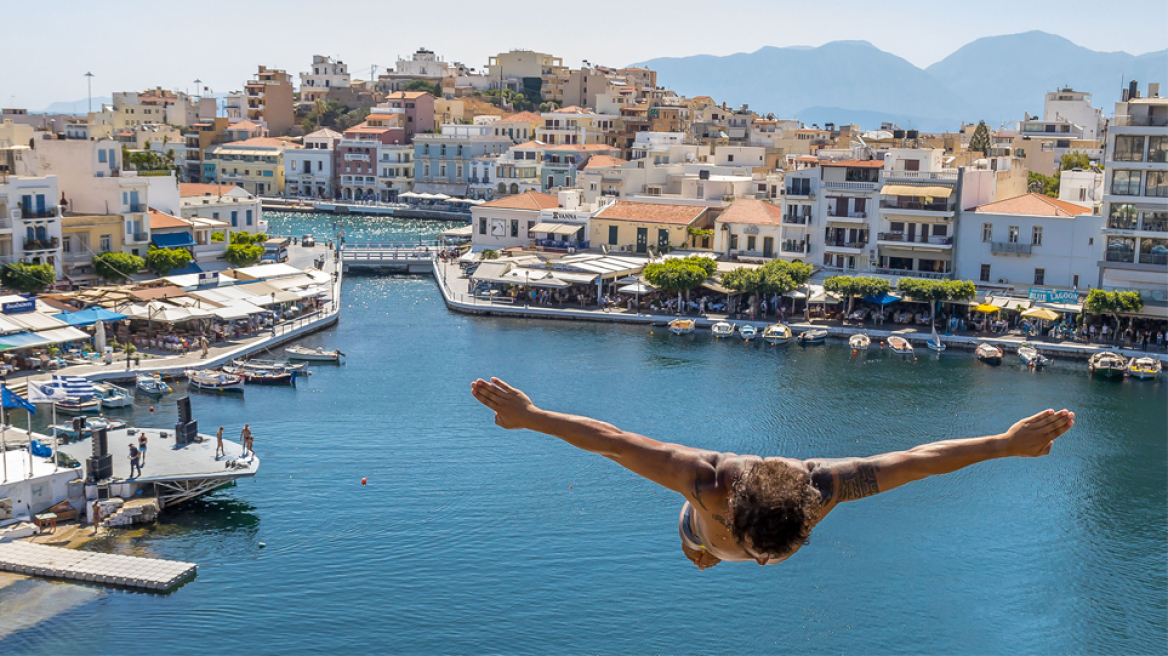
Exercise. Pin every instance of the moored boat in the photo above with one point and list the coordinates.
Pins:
(1031, 357)
(989, 354)
(722, 329)
(91, 424)
(152, 384)
(77, 406)
(215, 381)
(812, 336)
(900, 345)
(270, 365)
(747, 332)
(279, 377)
(112, 396)
(935, 342)
(682, 326)
(317, 354)
(1107, 364)
(1143, 368)
(777, 333)
(860, 341)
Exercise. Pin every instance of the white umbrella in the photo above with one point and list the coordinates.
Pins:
(441, 197)
(99, 337)
(635, 288)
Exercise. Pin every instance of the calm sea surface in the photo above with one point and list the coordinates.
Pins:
(469, 538)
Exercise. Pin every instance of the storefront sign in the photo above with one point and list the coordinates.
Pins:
(208, 278)
(16, 307)
(1053, 295)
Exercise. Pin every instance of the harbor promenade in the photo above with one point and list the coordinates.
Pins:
(456, 293)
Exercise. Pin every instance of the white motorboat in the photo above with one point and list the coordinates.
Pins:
(860, 341)
(215, 381)
(900, 345)
(813, 336)
(77, 406)
(1107, 364)
(112, 396)
(152, 384)
(935, 342)
(1031, 357)
(682, 326)
(989, 354)
(270, 365)
(722, 329)
(1144, 368)
(317, 354)
(748, 332)
(777, 333)
(91, 424)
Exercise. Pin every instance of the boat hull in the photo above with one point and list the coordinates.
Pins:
(859, 341)
(79, 409)
(936, 346)
(1107, 372)
(313, 356)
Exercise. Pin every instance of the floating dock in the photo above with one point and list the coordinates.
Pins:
(107, 569)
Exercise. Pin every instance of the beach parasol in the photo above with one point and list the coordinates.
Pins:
(1041, 313)
(986, 308)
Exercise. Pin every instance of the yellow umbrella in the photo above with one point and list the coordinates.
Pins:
(987, 308)
(1041, 313)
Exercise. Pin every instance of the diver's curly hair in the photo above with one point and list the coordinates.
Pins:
(775, 506)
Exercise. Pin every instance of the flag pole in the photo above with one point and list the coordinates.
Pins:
(4, 440)
(56, 457)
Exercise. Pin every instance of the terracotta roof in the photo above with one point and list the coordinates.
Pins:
(323, 133)
(624, 210)
(160, 221)
(531, 144)
(857, 163)
(530, 200)
(603, 160)
(371, 129)
(522, 117)
(242, 125)
(572, 109)
(1034, 205)
(188, 189)
(581, 147)
(269, 142)
(407, 95)
(751, 211)
(156, 293)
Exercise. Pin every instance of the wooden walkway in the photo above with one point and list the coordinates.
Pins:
(107, 569)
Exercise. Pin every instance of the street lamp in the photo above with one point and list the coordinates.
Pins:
(89, 86)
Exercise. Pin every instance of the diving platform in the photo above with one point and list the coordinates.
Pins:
(85, 566)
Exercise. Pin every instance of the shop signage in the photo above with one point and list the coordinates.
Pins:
(1053, 295)
(16, 307)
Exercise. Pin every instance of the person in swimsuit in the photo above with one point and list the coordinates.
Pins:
(743, 507)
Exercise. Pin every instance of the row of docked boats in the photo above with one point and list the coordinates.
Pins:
(1114, 365)
(773, 334)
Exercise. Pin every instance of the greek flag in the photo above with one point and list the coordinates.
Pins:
(74, 386)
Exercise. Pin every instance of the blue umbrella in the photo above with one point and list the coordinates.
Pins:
(90, 316)
(883, 298)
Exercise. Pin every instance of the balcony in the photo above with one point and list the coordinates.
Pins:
(793, 219)
(800, 192)
(137, 237)
(1154, 258)
(851, 186)
(41, 244)
(896, 238)
(902, 203)
(29, 213)
(912, 273)
(794, 247)
(837, 244)
(1011, 247)
(921, 175)
(557, 245)
(850, 217)
(1121, 256)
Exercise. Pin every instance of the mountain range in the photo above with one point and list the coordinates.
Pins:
(997, 79)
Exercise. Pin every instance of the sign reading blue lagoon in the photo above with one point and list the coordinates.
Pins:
(1053, 295)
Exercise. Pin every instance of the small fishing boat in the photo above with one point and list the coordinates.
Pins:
(317, 354)
(813, 336)
(900, 345)
(251, 377)
(214, 381)
(1144, 368)
(1031, 357)
(77, 406)
(1107, 364)
(682, 326)
(935, 342)
(860, 341)
(722, 329)
(270, 365)
(777, 333)
(152, 385)
(989, 354)
(748, 332)
(112, 396)
(91, 424)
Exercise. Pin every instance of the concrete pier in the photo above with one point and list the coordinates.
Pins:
(107, 569)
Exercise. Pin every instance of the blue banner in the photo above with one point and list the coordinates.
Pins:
(15, 307)
(1053, 295)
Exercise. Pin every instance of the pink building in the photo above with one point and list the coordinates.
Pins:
(419, 110)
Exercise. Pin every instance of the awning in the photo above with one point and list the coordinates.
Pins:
(1009, 302)
(21, 340)
(172, 240)
(635, 288)
(35, 321)
(1072, 308)
(461, 231)
(550, 228)
(909, 190)
(189, 269)
(987, 308)
(66, 334)
(237, 310)
(882, 298)
(90, 316)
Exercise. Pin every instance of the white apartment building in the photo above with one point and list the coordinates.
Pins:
(1082, 187)
(1134, 255)
(395, 171)
(574, 125)
(327, 73)
(30, 217)
(308, 172)
(233, 205)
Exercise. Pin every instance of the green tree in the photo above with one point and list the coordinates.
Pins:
(422, 85)
(28, 278)
(1075, 159)
(677, 275)
(853, 286)
(164, 260)
(774, 277)
(243, 254)
(980, 141)
(1043, 184)
(935, 291)
(489, 254)
(116, 267)
(1112, 303)
(217, 235)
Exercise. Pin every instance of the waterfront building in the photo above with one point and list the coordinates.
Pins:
(574, 125)
(199, 137)
(442, 161)
(507, 222)
(1134, 252)
(309, 171)
(255, 164)
(268, 99)
(229, 203)
(30, 216)
(1029, 240)
(481, 184)
(749, 230)
(635, 227)
(395, 171)
(358, 150)
(916, 214)
(325, 75)
(418, 107)
(82, 237)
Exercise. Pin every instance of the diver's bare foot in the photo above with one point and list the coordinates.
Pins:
(1034, 436)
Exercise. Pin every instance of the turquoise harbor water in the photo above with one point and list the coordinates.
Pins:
(472, 539)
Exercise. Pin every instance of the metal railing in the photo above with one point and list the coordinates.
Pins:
(917, 239)
(41, 244)
(792, 191)
(851, 185)
(833, 214)
(1153, 258)
(562, 245)
(799, 248)
(910, 273)
(922, 175)
(795, 219)
(47, 213)
(1008, 247)
(844, 243)
(1121, 256)
(915, 205)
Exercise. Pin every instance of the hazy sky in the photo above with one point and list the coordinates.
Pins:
(135, 44)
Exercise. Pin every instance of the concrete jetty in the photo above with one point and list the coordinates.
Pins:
(107, 569)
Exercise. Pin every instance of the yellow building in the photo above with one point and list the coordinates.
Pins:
(255, 164)
(84, 236)
(519, 127)
(628, 226)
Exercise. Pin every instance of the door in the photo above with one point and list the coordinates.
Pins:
(642, 240)
(841, 207)
(912, 228)
(134, 201)
(768, 246)
(40, 206)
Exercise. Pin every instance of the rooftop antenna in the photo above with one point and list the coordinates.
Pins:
(89, 85)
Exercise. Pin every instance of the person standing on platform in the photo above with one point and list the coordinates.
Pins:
(219, 444)
(134, 461)
(245, 438)
(96, 515)
(142, 448)
(203, 344)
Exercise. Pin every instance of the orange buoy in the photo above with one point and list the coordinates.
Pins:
(362, 481)
(853, 351)
(151, 408)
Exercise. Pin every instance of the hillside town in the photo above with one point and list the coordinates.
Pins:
(538, 156)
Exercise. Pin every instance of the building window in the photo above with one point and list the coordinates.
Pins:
(987, 232)
(733, 242)
(1036, 236)
(1040, 276)
(985, 273)
(482, 225)
(248, 217)
(1126, 183)
(1158, 149)
(106, 243)
(514, 227)
(66, 244)
(1075, 281)
(751, 242)
(1013, 235)
(729, 158)
(234, 219)
(1128, 148)
(101, 155)
(1157, 184)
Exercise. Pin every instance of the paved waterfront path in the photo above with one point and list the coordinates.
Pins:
(455, 288)
(109, 569)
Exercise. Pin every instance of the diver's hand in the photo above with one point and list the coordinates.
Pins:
(513, 409)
